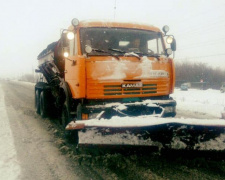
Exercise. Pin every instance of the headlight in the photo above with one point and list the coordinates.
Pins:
(169, 39)
(66, 54)
(70, 35)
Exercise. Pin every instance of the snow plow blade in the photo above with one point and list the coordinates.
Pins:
(148, 130)
(145, 121)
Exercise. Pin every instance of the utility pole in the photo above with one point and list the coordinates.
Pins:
(115, 10)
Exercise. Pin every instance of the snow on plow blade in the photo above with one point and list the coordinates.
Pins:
(147, 130)
(143, 121)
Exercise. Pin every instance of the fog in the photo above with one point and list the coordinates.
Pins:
(27, 27)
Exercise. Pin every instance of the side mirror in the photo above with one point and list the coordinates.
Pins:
(174, 45)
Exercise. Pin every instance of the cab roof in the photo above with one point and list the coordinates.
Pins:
(97, 23)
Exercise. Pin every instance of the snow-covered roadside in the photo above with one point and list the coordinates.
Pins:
(9, 166)
(24, 82)
(209, 101)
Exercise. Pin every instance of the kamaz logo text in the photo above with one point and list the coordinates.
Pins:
(135, 85)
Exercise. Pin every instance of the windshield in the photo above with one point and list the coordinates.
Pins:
(119, 41)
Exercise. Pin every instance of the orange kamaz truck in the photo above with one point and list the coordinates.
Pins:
(99, 70)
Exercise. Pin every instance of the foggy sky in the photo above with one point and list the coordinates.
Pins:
(28, 26)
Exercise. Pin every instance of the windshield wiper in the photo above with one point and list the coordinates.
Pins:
(126, 53)
(117, 50)
(102, 51)
(132, 54)
(135, 54)
(147, 54)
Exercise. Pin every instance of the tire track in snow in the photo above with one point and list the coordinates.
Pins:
(9, 166)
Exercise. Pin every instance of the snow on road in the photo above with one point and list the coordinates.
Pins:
(9, 166)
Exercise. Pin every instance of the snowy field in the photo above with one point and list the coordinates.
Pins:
(209, 101)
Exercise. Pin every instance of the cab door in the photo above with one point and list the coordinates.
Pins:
(75, 69)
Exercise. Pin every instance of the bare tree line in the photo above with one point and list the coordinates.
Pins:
(199, 72)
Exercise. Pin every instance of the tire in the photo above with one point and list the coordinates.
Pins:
(37, 101)
(43, 105)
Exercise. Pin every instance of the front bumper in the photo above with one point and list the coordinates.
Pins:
(126, 114)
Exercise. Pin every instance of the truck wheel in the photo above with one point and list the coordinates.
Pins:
(43, 105)
(37, 101)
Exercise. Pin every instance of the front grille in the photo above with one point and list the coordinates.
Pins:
(118, 90)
